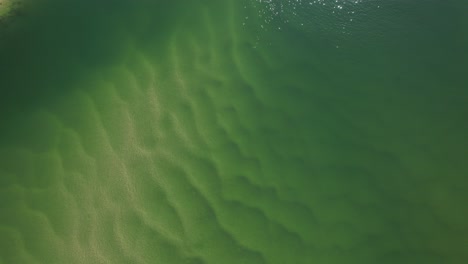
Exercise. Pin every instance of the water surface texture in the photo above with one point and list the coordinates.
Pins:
(234, 131)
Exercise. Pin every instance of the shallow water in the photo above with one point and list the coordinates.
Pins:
(231, 131)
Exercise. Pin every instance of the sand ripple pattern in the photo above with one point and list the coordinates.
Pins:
(189, 158)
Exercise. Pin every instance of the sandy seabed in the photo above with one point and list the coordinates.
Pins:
(195, 144)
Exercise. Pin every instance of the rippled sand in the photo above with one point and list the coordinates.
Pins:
(170, 134)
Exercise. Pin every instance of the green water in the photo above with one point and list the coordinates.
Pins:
(234, 131)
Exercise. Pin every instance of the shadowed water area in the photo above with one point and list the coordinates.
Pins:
(234, 131)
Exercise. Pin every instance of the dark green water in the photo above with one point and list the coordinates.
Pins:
(234, 131)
